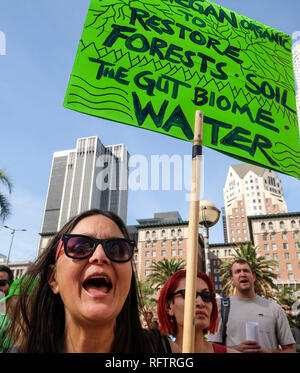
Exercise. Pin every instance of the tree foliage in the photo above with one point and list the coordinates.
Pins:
(4, 203)
(285, 297)
(163, 270)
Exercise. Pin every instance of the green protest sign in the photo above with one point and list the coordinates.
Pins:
(153, 63)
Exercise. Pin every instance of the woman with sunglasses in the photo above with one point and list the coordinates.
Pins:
(86, 299)
(170, 311)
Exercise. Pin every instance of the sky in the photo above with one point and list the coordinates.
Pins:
(42, 37)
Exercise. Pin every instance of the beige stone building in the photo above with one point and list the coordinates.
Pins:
(162, 237)
(278, 237)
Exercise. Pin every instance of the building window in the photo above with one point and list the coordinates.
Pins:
(283, 236)
(147, 235)
(263, 226)
(147, 272)
(163, 253)
(272, 236)
(180, 252)
(291, 277)
(153, 234)
(289, 267)
(173, 252)
(287, 256)
(295, 235)
(265, 237)
(271, 227)
(179, 242)
(163, 233)
(147, 254)
(147, 263)
(268, 256)
(173, 243)
(173, 233)
(154, 253)
(163, 243)
(266, 247)
(147, 245)
(297, 245)
(274, 246)
(293, 224)
(281, 225)
(154, 244)
(275, 256)
(285, 246)
(298, 256)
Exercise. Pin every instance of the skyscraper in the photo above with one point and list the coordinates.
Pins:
(90, 176)
(250, 190)
(296, 59)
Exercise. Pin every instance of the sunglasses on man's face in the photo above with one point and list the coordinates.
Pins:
(205, 295)
(4, 282)
(78, 246)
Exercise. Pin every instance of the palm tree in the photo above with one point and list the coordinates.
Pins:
(4, 204)
(163, 270)
(264, 284)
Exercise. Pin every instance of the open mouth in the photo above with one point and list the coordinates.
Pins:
(97, 284)
(244, 282)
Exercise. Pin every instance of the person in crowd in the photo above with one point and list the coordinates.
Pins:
(86, 299)
(10, 302)
(6, 279)
(296, 333)
(170, 311)
(149, 321)
(274, 333)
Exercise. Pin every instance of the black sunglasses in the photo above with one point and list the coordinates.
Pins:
(78, 246)
(206, 296)
(4, 282)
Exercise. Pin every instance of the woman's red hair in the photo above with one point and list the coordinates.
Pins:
(165, 323)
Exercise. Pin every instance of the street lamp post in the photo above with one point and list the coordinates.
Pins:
(208, 217)
(13, 230)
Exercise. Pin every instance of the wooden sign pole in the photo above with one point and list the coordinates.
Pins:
(192, 243)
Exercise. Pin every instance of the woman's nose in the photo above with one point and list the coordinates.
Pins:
(99, 255)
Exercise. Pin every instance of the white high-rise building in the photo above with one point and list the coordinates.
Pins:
(250, 190)
(90, 176)
(296, 60)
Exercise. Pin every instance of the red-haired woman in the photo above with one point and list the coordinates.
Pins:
(170, 311)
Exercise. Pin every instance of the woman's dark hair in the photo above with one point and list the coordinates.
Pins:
(42, 312)
(166, 323)
(9, 272)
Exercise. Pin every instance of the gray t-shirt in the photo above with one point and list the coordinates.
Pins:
(273, 329)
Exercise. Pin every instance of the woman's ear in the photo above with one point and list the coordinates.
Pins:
(52, 279)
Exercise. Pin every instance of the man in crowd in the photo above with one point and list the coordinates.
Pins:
(296, 333)
(274, 333)
(6, 279)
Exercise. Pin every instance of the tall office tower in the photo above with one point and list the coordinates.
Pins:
(296, 59)
(90, 176)
(250, 190)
